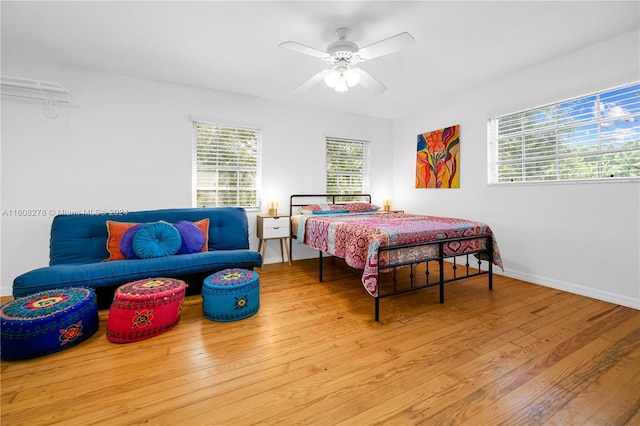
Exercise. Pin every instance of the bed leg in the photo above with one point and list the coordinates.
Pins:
(490, 253)
(490, 274)
(290, 246)
(377, 313)
(320, 265)
(441, 263)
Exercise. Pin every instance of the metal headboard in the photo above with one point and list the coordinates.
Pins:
(300, 200)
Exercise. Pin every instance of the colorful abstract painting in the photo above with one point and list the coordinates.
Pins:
(438, 158)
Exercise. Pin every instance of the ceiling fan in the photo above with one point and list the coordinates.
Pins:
(342, 56)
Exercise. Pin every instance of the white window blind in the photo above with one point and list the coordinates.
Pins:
(593, 137)
(347, 166)
(227, 166)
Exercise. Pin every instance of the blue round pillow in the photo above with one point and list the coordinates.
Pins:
(156, 239)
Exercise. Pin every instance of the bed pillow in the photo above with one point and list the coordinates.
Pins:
(310, 208)
(331, 211)
(361, 207)
(157, 239)
(336, 207)
(115, 232)
(317, 208)
(192, 237)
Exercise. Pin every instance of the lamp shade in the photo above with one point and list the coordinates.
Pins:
(353, 77)
(272, 208)
(342, 77)
(331, 79)
(342, 84)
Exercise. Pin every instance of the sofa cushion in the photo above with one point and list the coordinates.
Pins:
(203, 225)
(192, 237)
(126, 243)
(115, 233)
(156, 239)
(105, 274)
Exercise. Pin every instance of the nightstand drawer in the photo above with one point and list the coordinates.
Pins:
(275, 222)
(273, 227)
(276, 232)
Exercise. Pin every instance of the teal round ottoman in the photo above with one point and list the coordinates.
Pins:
(231, 295)
(47, 322)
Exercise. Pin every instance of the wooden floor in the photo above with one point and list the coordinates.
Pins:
(519, 355)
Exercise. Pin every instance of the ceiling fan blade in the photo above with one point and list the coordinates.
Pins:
(312, 81)
(306, 50)
(389, 45)
(369, 82)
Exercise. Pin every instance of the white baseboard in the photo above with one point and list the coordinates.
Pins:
(605, 296)
(593, 293)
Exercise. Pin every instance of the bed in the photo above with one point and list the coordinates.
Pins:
(351, 228)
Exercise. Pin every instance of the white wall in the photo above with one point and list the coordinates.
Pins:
(582, 238)
(126, 143)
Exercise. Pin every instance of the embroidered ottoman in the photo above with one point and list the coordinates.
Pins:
(145, 308)
(231, 295)
(47, 322)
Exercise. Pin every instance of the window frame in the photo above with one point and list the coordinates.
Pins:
(196, 187)
(557, 128)
(366, 166)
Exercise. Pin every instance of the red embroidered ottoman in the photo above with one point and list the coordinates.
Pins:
(47, 322)
(145, 308)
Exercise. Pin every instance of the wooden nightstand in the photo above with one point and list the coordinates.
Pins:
(273, 228)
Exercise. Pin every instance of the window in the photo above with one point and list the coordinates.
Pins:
(347, 166)
(594, 137)
(227, 166)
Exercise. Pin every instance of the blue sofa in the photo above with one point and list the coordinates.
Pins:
(78, 250)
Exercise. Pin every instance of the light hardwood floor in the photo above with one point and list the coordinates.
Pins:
(519, 355)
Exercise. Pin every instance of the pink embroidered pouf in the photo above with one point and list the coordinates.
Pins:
(145, 308)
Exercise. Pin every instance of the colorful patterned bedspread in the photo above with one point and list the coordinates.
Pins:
(356, 238)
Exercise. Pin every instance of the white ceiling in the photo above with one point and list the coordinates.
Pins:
(233, 45)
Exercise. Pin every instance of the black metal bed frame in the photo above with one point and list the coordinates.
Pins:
(485, 254)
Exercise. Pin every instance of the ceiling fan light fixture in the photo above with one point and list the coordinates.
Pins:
(341, 78)
(353, 77)
(332, 78)
(342, 85)
(343, 56)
